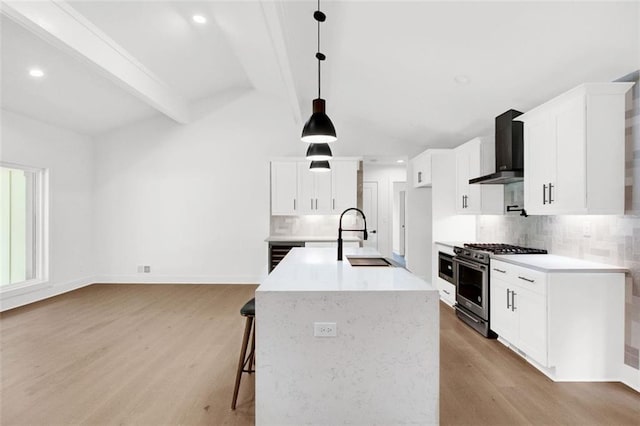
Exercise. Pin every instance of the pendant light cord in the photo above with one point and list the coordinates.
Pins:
(319, 82)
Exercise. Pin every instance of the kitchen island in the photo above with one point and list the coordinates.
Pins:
(382, 365)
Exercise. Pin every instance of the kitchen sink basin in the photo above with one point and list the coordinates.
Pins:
(368, 261)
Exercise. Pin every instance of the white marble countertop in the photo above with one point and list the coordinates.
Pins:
(309, 238)
(317, 269)
(554, 263)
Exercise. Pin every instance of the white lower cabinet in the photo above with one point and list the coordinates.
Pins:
(569, 324)
(519, 315)
(447, 291)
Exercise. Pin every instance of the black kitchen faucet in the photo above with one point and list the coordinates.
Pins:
(364, 231)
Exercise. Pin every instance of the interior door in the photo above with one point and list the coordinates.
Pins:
(370, 209)
(401, 225)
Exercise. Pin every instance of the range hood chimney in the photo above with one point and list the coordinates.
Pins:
(509, 151)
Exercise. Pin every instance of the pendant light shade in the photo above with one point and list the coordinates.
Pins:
(319, 152)
(319, 128)
(320, 166)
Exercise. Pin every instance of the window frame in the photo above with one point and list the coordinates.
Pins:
(40, 236)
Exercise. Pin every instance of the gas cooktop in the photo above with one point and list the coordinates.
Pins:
(496, 248)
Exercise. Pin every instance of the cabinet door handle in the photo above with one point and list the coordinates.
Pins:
(513, 300)
(334, 204)
(499, 270)
(544, 194)
(311, 199)
(294, 203)
(419, 177)
(550, 188)
(526, 279)
(508, 306)
(446, 291)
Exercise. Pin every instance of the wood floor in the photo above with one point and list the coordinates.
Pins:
(166, 355)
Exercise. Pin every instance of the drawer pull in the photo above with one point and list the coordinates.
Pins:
(446, 291)
(499, 270)
(526, 279)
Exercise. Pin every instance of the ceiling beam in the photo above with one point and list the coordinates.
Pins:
(62, 26)
(255, 33)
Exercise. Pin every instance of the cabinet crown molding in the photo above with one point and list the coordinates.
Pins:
(615, 88)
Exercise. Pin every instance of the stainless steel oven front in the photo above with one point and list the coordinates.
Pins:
(472, 286)
(471, 270)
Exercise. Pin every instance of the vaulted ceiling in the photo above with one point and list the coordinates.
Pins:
(399, 76)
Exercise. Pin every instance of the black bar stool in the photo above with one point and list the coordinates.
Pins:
(246, 362)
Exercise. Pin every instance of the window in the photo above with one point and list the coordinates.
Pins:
(21, 225)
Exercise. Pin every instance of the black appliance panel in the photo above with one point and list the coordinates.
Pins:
(445, 267)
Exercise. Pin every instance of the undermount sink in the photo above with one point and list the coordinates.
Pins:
(368, 261)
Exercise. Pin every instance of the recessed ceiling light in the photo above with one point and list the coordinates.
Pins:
(36, 72)
(199, 19)
(399, 161)
(462, 79)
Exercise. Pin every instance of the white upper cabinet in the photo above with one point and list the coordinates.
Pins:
(314, 190)
(284, 188)
(421, 166)
(295, 190)
(574, 152)
(474, 159)
(344, 183)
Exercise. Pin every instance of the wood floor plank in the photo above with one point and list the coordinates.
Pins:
(166, 355)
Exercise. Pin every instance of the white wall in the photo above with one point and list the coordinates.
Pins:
(191, 201)
(418, 230)
(385, 176)
(68, 158)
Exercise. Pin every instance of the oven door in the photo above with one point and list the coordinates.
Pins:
(445, 267)
(472, 286)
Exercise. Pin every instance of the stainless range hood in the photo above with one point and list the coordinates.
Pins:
(509, 151)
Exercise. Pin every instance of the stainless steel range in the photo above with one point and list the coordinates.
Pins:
(471, 269)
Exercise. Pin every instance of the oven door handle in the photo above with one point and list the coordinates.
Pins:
(468, 316)
(478, 267)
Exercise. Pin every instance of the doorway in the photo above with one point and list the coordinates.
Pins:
(370, 209)
(399, 222)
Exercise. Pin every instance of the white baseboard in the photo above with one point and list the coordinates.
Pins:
(172, 279)
(27, 295)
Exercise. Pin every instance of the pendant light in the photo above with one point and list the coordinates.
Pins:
(319, 152)
(319, 128)
(320, 166)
